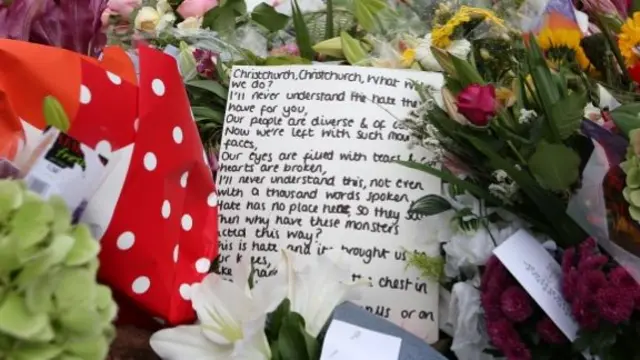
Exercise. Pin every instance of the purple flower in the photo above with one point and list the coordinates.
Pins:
(516, 304)
(502, 333)
(583, 311)
(549, 332)
(615, 304)
(590, 282)
(205, 64)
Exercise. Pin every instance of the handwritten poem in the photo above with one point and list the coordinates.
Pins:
(307, 163)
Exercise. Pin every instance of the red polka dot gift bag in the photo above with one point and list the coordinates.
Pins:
(155, 211)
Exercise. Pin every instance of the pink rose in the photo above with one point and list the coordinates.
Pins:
(478, 104)
(123, 7)
(195, 8)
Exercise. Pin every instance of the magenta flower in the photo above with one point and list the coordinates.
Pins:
(517, 350)
(569, 284)
(516, 304)
(549, 332)
(590, 282)
(502, 333)
(590, 262)
(478, 104)
(205, 64)
(615, 304)
(584, 312)
(568, 260)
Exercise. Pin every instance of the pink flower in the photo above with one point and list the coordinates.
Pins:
(286, 50)
(587, 248)
(478, 104)
(491, 305)
(123, 7)
(502, 333)
(549, 332)
(590, 282)
(195, 8)
(620, 277)
(584, 313)
(592, 262)
(516, 304)
(569, 284)
(615, 304)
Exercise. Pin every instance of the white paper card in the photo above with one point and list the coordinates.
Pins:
(345, 341)
(308, 164)
(540, 275)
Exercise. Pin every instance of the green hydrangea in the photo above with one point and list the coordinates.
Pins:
(51, 306)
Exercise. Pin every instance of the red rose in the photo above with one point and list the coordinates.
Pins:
(478, 104)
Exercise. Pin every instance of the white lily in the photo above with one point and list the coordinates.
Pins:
(231, 325)
(424, 55)
(318, 288)
(149, 19)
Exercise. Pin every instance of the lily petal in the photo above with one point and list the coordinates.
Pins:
(187, 343)
(254, 345)
(222, 307)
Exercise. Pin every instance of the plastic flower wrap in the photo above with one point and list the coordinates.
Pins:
(51, 306)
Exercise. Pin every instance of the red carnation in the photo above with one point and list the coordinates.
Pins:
(592, 262)
(491, 304)
(515, 304)
(569, 284)
(502, 333)
(517, 350)
(584, 312)
(620, 277)
(590, 282)
(549, 332)
(615, 304)
(587, 247)
(478, 104)
(568, 260)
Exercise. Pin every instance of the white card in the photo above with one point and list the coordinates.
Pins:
(345, 341)
(540, 275)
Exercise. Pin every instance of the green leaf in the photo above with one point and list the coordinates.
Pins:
(444, 59)
(330, 47)
(268, 17)
(465, 72)
(85, 247)
(556, 166)
(210, 86)
(203, 112)
(294, 342)
(352, 49)
(276, 318)
(328, 28)
(366, 12)
(302, 32)
(568, 113)
(429, 205)
(54, 114)
(222, 18)
(627, 117)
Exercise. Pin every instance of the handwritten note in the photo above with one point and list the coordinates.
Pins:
(540, 275)
(345, 341)
(308, 164)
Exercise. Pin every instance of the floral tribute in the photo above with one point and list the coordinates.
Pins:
(605, 301)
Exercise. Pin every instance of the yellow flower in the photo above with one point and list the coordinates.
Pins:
(562, 46)
(408, 57)
(629, 40)
(441, 35)
(505, 96)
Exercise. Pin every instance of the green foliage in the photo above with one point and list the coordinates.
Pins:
(287, 336)
(430, 205)
(366, 12)
(627, 117)
(303, 39)
(555, 166)
(51, 306)
(352, 49)
(269, 18)
(222, 18)
(430, 267)
(54, 114)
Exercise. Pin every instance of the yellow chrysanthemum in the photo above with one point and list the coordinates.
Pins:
(563, 45)
(441, 35)
(629, 40)
(408, 57)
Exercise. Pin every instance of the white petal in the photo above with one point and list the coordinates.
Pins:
(186, 343)
(222, 307)
(254, 346)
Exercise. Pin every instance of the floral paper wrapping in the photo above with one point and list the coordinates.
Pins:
(155, 213)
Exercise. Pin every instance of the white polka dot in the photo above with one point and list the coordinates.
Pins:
(187, 222)
(136, 123)
(183, 179)
(166, 209)
(185, 291)
(150, 161)
(212, 200)
(141, 285)
(177, 135)
(114, 78)
(85, 95)
(158, 87)
(203, 265)
(175, 253)
(126, 240)
(103, 148)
